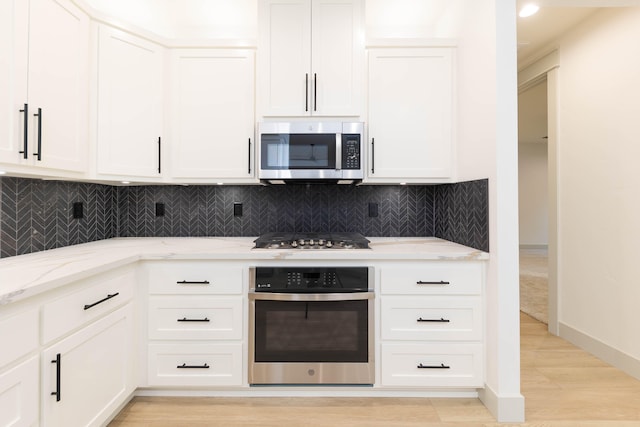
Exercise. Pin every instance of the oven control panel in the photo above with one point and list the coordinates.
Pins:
(311, 279)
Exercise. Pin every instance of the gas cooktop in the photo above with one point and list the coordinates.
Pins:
(311, 241)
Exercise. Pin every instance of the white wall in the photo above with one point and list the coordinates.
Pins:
(487, 148)
(533, 194)
(532, 166)
(599, 186)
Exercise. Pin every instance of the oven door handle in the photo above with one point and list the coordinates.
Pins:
(342, 296)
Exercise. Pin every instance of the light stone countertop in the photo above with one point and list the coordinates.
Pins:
(28, 275)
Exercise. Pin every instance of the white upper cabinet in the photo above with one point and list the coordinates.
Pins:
(311, 59)
(212, 115)
(411, 101)
(13, 78)
(130, 88)
(44, 105)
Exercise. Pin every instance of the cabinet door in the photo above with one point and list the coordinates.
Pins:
(19, 395)
(212, 114)
(129, 104)
(90, 372)
(285, 57)
(58, 84)
(311, 57)
(14, 26)
(410, 114)
(337, 60)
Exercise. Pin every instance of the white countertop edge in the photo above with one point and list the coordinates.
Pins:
(27, 275)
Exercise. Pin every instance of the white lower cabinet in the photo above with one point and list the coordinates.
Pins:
(431, 325)
(195, 364)
(195, 324)
(19, 378)
(18, 395)
(194, 317)
(432, 364)
(88, 375)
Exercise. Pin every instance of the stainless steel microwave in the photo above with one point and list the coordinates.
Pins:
(310, 151)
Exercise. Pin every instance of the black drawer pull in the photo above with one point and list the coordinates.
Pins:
(184, 319)
(58, 362)
(441, 282)
(185, 366)
(109, 296)
(441, 320)
(441, 366)
(191, 282)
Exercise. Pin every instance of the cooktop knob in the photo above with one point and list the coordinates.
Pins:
(294, 244)
(329, 244)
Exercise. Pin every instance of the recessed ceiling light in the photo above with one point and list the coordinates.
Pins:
(2, 172)
(125, 182)
(528, 10)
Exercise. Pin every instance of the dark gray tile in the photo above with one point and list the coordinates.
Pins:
(36, 215)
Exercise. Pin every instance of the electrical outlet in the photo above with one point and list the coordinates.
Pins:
(237, 209)
(78, 210)
(159, 209)
(373, 210)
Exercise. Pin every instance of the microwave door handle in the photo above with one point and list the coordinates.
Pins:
(338, 151)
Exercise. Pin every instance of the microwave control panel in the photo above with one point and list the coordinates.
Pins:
(350, 151)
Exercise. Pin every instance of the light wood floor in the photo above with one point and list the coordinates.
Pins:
(563, 387)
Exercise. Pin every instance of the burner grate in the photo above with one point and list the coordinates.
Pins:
(280, 240)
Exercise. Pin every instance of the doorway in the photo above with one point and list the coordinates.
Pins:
(533, 199)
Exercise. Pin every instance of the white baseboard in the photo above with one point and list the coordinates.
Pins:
(612, 356)
(506, 409)
(545, 247)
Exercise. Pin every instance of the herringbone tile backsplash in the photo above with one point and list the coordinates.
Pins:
(36, 215)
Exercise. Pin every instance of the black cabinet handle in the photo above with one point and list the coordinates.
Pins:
(315, 92)
(159, 155)
(25, 145)
(185, 366)
(441, 320)
(373, 155)
(441, 282)
(190, 282)
(441, 366)
(184, 319)
(306, 92)
(58, 363)
(109, 296)
(249, 157)
(39, 116)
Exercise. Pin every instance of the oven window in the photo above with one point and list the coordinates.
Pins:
(316, 331)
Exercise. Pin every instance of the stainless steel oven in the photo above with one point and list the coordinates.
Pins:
(311, 325)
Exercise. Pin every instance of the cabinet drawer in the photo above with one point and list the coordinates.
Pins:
(454, 278)
(432, 365)
(19, 394)
(101, 295)
(194, 277)
(195, 364)
(431, 318)
(195, 318)
(21, 330)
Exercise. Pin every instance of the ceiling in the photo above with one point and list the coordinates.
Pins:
(537, 34)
